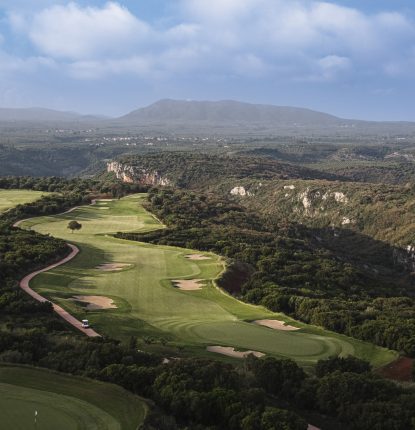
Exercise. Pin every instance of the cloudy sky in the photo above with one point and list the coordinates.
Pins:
(351, 58)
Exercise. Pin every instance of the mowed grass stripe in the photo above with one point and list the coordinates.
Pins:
(148, 302)
(11, 198)
(65, 402)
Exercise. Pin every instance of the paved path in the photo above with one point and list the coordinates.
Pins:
(24, 285)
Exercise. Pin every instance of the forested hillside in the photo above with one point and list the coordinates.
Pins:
(330, 253)
(282, 191)
(282, 268)
(201, 170)
(287, 270)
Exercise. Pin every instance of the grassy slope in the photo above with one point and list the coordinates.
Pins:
(64, 402)
(12, 198)
(149, 305)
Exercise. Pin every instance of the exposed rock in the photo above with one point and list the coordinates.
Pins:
(240, 191)
(340, 197)
(136, 175)
(305, 200)
(405, 257)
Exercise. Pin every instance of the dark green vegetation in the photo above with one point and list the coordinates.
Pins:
(344, 278)
(288, 270)
(30, 334)
(391, 162)
(187, 170)
(354, 278)
(139, 278)
(74, 226)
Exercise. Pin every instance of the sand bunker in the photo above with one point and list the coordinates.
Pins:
(104, 208)
(188, 284)
(276, 325)
(111, 267)
(96, 302)
(310, 427)
(230, 352)
(197, 257)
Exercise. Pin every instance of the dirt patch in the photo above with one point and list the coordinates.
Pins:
(230, 352)
(112, 267)
(188, 284)
(398, 370)
(96, 302)
(197, 257)
(276, 325)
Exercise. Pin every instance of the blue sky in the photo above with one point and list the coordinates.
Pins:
(351, 58)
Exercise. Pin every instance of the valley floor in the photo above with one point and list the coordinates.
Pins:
(138, 292)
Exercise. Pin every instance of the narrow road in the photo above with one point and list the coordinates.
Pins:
(24, 285)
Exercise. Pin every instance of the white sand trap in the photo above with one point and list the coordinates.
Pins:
(276, 325)
(104, 208)
(111, 267)
(188, 284)
(96, 302)
(230, 352)
(197, 257)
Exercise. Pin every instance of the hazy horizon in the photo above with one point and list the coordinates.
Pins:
(106, 116)
(346, 58)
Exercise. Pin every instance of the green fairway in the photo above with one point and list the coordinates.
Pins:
(64, 402)
(149, 305)
(12, 198)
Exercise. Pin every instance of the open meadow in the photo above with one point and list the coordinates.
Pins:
(12, 198)
(168, 294)
(63, 402)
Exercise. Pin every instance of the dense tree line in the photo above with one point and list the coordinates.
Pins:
(194, 170)
(103, 184)
(32, 334)
(192, 394)
(263, 394)
(290, 272)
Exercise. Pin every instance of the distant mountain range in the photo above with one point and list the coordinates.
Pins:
(222, 117)
(42, 115)
(236, 118)
(226, 112)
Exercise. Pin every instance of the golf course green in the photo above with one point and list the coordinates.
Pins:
(12, 198)
(127, 288)
(32, 398)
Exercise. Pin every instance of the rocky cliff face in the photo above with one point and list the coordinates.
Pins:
(137, 175)
(405, 257)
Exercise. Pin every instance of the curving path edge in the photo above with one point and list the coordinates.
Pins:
(24, 285)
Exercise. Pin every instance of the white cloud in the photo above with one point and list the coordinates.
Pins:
(137, 66)
(10, 64)
(295, 39)
(81, 33)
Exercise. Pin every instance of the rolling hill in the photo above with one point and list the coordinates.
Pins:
(230, 117)
(227, 112)
(37, 114)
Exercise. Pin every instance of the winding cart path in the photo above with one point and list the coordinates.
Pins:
(24, 285)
